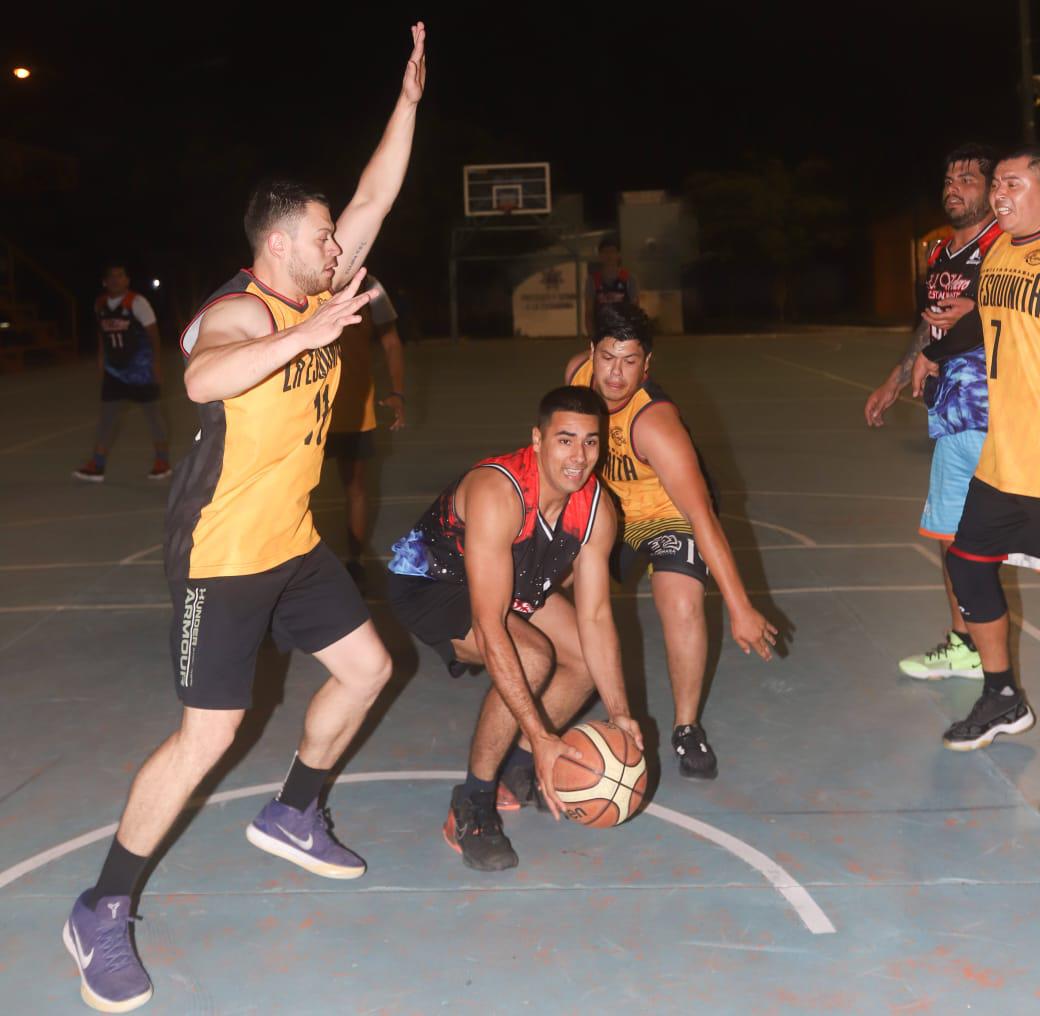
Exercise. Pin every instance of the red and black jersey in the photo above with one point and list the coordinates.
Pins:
(542, 554)
(953, 273)
(616, 290)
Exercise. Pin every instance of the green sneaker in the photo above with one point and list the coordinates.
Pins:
(951, 658)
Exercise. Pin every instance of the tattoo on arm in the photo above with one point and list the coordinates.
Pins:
(922, 337)
(353, 260)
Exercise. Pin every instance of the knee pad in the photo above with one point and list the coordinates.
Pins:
(977, 587)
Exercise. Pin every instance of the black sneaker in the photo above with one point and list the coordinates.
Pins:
(474, 830)
(996, 712)
(696, 759)
(517, 788)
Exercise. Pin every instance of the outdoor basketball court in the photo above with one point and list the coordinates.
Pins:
(843, 861)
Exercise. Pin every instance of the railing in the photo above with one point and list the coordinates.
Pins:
(35, 294)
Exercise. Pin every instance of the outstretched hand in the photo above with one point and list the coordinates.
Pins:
(415, 72)
(325, 325)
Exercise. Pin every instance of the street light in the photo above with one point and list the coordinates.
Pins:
(21, 73)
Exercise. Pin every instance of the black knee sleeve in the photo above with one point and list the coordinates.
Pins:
(977, 587)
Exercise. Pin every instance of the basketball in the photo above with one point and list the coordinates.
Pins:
(606, 787)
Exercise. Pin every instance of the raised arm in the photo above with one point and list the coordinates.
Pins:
(596, 629)
(360, 222)
(664, 442)
(236, 348)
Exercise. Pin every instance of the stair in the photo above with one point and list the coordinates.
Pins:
(37, 313)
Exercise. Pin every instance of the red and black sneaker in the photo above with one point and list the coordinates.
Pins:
(474, 830)
(160, 470)
(91, 472)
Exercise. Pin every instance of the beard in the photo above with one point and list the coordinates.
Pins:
(969, 215)
(308, 280)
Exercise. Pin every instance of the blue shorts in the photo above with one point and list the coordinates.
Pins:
(954, 461)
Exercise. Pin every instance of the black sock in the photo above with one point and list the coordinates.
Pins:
(966, 639)
(996, 681)
(475, 785)
(302, 785)
(119, 874)
(518, 758)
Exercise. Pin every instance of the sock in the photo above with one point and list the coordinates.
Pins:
(997, 682)
(475, 785)
(966, 639)
(302, 785)
(99, 460)
(162, 455)
(119, 874)
(519, 759)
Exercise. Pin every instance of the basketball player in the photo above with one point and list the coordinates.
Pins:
(351, 432)
(667, 516)
(609, 284)
(128, 358)
(948, 341)
(478, 579)
(241, 550)
(1002, 510)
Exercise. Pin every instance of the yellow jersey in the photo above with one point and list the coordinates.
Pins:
(1009, 305)
(642, 498)
(355, 408)
(240, 499)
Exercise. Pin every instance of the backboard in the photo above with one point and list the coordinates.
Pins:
(518, 188)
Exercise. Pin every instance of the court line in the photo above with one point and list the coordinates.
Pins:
(10, 449)
(805, 541)
(134, 559)
(1016, 619)
(327, 503)
(36, 608)
(809, 912)
(837, 377)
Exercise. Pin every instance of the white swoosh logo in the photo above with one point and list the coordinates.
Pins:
(302, 844)
(84, 961)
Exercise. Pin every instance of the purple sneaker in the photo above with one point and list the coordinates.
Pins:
(99, 940)
(305, 838)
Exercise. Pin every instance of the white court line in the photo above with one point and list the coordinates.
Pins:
(37, 608)
(804, 905)
(134, 558)
(10, 449)
(1030, 629)
(837, 377)
(805, 541)
(917, 498)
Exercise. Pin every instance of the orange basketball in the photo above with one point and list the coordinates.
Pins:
(607, 786)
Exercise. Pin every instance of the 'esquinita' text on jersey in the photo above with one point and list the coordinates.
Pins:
(542, 555)
(1009, 305)
(634, 482)
(240, 501)
(959, 402)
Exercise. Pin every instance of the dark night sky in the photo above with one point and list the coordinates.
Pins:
(172, 121)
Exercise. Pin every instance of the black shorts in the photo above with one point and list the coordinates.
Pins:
(115, 390)
(668, 545)
(307, 603)
(434, 612)
(356, 445)
(995, 524)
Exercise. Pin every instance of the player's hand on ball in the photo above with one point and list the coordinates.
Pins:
(630, 727)
(752, 631)
(335, 314)
(546, 750)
